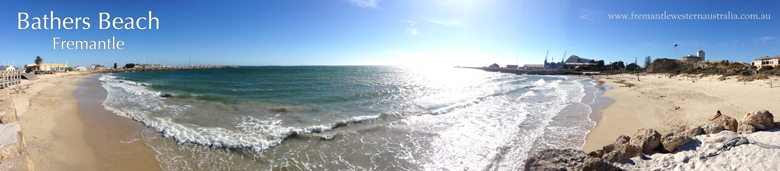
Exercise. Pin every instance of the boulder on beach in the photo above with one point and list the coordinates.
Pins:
(671, 143)
(166, 94)
(728, 122)
(712, 128)
(689, 131)
(615, 156)
(646, 139)
(746, 129)
(568, 159)
(621, 141)
(597, 153)
(632, 150)
(761, 120)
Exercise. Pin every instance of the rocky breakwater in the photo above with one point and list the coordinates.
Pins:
(13, 154)
(647, 142)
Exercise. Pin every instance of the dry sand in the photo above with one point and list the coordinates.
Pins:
(664, 103)
(54, 130)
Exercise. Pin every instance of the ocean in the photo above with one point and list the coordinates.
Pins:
(351, 117)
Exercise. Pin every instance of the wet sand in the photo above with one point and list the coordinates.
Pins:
(63, 132)
(116, 140)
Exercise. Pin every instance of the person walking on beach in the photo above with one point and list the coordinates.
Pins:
(716, 116)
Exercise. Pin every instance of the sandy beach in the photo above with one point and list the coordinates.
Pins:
(665, 103)
(63, 133)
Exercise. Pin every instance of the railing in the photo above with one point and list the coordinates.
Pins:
(9, 78)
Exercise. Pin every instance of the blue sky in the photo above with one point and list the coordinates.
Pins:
(393, 32)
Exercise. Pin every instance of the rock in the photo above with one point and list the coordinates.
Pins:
(569, 159)
(615, 156)
(647, 139)
(621, 141)
(746, 129)
(689, 131)
(632, 150)
(712, 128)
(608, 148)
(597, 153)
(672, 142)
(761, 120)
(728, 122)
(555, 159)
(598, 164)
(167, 95)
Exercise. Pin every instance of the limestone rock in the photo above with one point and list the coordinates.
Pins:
(598, 164)
(632, 150)
(712, 128)
(728, 122)
(689, 131)
(597, 153)
(761, 120)
(746, 129)
(618, 145)
(7, 116)
(569, 159)
(672, 142)
(615, 156)
(647, 139)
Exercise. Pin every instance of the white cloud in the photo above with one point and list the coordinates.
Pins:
(764, 39)
(452, 22)
(413, 32)
(365, 3)
(589, 15)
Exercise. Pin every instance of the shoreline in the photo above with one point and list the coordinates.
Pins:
(60, 127)
(597, 107)
(117, 140)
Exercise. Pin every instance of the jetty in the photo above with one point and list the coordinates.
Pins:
(9, 78)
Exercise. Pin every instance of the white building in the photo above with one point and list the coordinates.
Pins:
(7, 68)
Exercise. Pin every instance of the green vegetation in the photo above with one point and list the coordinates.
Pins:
(115, 65)
(129, 65)
(38, 60)
(70, 68)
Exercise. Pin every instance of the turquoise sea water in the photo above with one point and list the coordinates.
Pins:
(351, 117)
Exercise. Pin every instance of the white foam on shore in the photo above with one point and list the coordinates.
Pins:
(133, 100)
(707, 152)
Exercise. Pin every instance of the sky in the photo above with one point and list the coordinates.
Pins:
(392, 32)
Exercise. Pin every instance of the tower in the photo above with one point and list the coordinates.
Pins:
(700, 53)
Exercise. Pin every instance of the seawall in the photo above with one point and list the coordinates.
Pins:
(13, 150)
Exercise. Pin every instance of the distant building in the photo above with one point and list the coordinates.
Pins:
(7, 68)
(699, 57)
(80, 68)
(46, 67)
(512, 66)
(766, 61)
(577, 59)
(494, 65)
(631, 67)
(96, 67)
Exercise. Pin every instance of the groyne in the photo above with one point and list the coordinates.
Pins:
(539, 71)
(140, 69)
